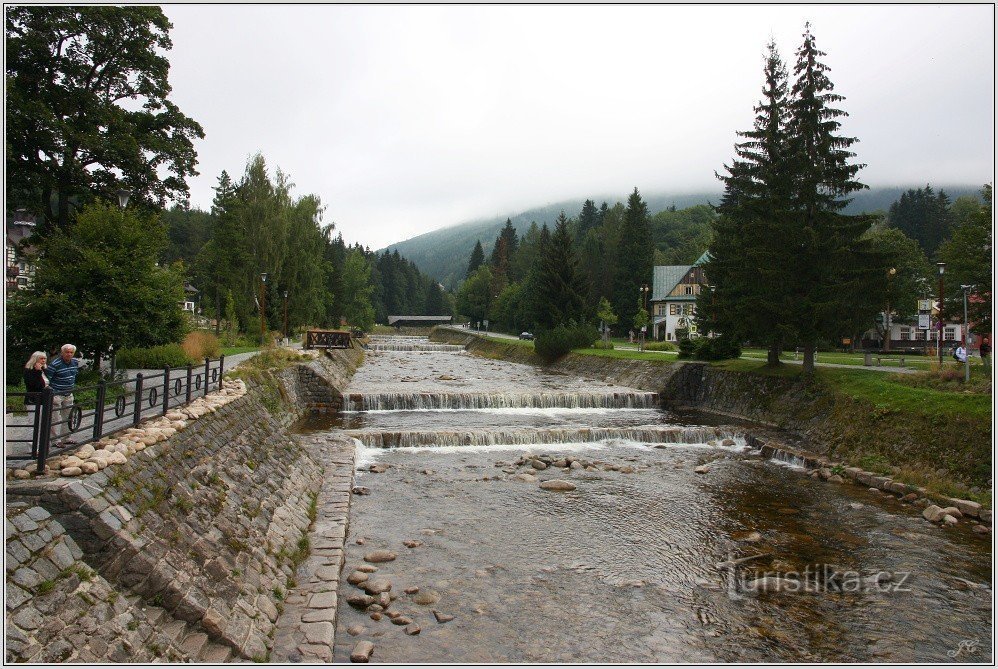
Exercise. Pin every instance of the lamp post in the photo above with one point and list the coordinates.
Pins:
(123, 196)
(939, 347)
(263, 308)
(887, 315)
(643, 303)
(966, 335)
(286, 315)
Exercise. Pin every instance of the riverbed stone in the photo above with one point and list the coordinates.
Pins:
(412, 543)
(359, 601)
(442, 617)
(953, 511)
(526, 478)
(366, 568)
(356, 630)
(967, 507)
(538, 465)
(412, 629)
(702, 469)
(377, 586)
(426, 597)
(401, 621)
(380, 556)
(558, 484)
(362, 652)
(950, 520)
(933, 513)
(357, 577)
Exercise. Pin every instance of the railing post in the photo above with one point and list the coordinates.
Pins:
(190, 374)
(166, 389)
(44, 427)
(36, 422)
(207, 375)
(137, 415)
(99, 409)
(221, 368)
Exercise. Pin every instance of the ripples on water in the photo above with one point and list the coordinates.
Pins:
(623, 568)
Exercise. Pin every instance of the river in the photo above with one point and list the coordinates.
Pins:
(625, 567)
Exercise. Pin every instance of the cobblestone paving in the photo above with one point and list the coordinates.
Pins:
(305, 627)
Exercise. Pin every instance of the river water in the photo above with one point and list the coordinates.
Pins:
(624, 568)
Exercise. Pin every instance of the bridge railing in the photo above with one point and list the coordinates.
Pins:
(33, 422)
(327, 339)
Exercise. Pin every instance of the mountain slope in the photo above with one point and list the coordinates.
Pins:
(444, 253)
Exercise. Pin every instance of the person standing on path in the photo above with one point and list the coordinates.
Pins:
(62, 379)
(35, 382)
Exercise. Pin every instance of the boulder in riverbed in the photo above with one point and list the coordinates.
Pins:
(380, 556)
(933, 513)
(558, 484)
(362, 652)
(702, 469)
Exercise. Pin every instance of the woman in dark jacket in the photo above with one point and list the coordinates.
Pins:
(35, 380)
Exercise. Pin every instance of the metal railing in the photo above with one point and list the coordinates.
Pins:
(115, 405)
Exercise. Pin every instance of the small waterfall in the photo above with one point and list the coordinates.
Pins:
(414, 346)
(522, 436)
(539, 400)
(787, 459)
(409, 343)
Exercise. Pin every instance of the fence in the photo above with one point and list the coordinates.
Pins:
(104, 408)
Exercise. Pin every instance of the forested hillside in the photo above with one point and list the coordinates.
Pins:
(444, 254)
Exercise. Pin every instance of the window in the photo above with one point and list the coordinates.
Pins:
(660, 310)
(949, 334)
(688, 309)
(675, 309)
(668, 335)
(905, 334)
(690, 290)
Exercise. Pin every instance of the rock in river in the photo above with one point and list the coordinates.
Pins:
(413, 629)
(377, 586)
(442, 617)
(356, 630)
(360, 601)
(361, 490)
(402, 620)
(367, 568)
(380, 556)
(702, 469)
(426, 597)
(933, 513)
(378, 468)
(362, 652)
(357, 577)
(557, 484)
(412, 543)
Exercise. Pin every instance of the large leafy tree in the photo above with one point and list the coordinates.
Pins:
(828, 262)
(357, 290)
(98, 286)
(634, 257)
(88, 109)
(474, 297)
(905, 276)
(968, 262)
(747, 298)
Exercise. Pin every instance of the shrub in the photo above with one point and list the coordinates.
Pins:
(604, 345)
(660, 346)
(154, 357)
(706, 348)
(199, 345)
(559, 340)
(688, 348)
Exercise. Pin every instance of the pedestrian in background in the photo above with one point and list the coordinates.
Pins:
(35, 382)
(62, 379)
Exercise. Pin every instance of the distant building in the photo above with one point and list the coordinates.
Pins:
(20, 272)
(912, 333)
(673, 300)
(419, 321)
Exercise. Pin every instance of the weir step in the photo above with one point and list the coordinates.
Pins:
(525, 436)
(539, 400)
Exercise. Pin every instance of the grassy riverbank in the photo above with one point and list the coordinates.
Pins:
(924, 428)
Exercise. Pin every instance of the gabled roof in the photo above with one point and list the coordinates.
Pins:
(665, 278)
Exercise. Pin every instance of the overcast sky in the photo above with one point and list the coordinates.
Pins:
(407, 119)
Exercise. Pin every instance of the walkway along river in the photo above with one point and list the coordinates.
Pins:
(673, 543)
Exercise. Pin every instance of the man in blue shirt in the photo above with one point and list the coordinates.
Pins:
(61, 374)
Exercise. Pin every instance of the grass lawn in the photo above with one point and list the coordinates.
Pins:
(233, 350)
(892, 392)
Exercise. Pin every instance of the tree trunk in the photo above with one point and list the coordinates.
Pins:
(63, 221)
(218, 312)
(809, 358)
(773, 355)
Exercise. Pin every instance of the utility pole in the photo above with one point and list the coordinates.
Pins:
(286, 335)
(942, 270)
(966, 335)
(263, 308)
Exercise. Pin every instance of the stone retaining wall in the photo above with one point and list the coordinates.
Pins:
(196, 537)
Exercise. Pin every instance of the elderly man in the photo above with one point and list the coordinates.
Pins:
(61, 374)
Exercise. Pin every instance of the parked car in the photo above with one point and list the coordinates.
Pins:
(527, 335)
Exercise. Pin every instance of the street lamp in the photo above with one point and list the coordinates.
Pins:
(966, 335)
(263, 308)
(942, 270)
(123, 196)
(286, 314)
(643, 303)
(887, 315)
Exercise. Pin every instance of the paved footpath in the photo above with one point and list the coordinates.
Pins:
(306, 626)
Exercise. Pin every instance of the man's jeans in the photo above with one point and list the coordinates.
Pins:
(61, 406)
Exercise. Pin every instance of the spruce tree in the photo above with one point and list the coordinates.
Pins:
(747, 298)
(635, 257)
(828, 263)
(477, 258)
(588, 219)
(560, 286)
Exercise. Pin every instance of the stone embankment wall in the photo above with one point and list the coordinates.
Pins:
(184, 551)
(832, 424)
